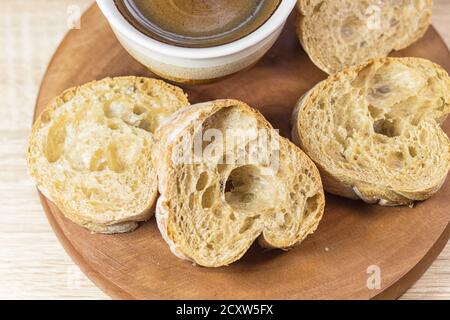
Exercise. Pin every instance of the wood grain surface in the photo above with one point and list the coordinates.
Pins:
(32, 263)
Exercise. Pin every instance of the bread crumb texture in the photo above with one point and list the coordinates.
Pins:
(90, 150)
(341, 33)
(374, 130)
(212, 210)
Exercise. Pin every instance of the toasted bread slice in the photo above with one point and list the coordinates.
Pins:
(374, 130)
(90, 150)
(227, 178)
(341, 33)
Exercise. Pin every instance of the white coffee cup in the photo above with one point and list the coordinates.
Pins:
(196, 65)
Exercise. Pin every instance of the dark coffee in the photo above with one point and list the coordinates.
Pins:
(197, 23)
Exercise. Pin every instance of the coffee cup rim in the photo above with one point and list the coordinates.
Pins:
(118, 22)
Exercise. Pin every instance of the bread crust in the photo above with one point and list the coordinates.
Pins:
(181, 124)
(346, 184)
(115, 220)
(333, 56)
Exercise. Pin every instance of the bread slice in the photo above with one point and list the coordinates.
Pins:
(374, 130)
(227, 178)
(90, 150)
(341, 33)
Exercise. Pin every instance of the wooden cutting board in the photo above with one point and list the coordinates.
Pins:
(353, 240)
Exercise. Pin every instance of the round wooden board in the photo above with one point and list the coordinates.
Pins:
(331, 264)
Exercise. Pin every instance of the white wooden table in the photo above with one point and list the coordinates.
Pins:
(33, 265)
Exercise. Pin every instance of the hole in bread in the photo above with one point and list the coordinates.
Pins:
(248, 190)
(350, 27)
(121, 152)
(226, 128)
(312, 204)
(98, 161)
(382, 90)
(248, 224)
(56, 138)
(229, 186)
(88, 192)
(209, 197)
(394, 22)
(374, 111)
(387, 128)
(218, 213)
(412, 151)
(202, 181)
(221, 168)
(395, 159)
(114, 160)
(114, 125)
(317, 7)
(147, 125)
(138, 110)
(191, 201)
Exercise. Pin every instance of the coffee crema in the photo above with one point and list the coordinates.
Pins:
(197, 23)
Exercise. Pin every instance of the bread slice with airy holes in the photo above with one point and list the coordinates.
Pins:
(227, 178)
(90, 150)
(341, 33)
(374, 130)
